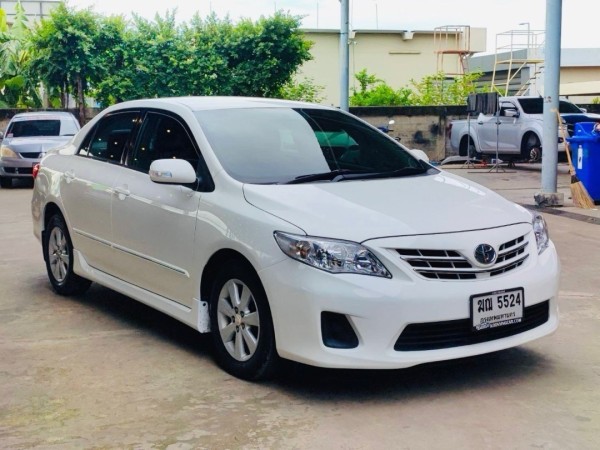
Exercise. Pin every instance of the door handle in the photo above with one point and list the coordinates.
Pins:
(69, 176)
(122, 192)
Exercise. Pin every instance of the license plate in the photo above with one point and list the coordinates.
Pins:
(498, 308)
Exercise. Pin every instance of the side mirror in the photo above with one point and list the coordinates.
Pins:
(511, 112)
(172, 171)
(420, 154)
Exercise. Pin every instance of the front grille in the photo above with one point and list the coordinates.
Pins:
(457, 333)
(30, 155)
(452, 265)
(19, 170)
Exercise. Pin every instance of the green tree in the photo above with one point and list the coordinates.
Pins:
(434, 89)
(305, 91)
(66, 48)
(248, 58)
(113, 61)
(18, 89)
(437, 89)
(366, 80)
(375, 92)
(155, 58)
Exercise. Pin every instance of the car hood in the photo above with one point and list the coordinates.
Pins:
(365, 209)
(35, 144)
(580, 117)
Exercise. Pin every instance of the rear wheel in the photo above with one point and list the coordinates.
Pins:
(467, 147)
(241, 324)
(531, 150)
(5, 182)
(58, 253)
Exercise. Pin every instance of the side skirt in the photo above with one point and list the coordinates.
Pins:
(196, 317)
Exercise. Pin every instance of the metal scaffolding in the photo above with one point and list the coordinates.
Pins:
(519, 62)
(452, 41)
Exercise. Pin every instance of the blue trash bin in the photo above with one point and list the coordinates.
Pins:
(585, 152)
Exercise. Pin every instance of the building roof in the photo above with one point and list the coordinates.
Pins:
(34, 9)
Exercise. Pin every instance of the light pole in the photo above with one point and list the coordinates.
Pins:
(528, 36)
(529, 74)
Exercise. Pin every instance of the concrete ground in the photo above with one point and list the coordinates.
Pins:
(101, 371)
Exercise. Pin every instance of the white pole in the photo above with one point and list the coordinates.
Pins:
(344, 55)
(551, 101)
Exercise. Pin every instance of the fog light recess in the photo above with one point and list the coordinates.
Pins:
(337, 331)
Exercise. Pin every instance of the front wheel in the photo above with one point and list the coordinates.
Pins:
(241, 324)
(58, 254)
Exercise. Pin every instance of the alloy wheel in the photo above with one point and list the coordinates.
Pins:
(58, 254)
(238, 320)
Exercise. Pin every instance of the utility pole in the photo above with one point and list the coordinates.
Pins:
(549, 196)
(344, 54)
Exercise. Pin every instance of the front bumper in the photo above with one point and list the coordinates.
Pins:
(17, 167)
(379, 309)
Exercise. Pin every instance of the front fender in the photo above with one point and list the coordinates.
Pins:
(533, 127)
(474, 138)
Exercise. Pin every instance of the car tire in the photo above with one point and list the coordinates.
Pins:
(5, 182)
(474, 153)
(58, 254)
(532, 149)
(241, 324)
(467, 147)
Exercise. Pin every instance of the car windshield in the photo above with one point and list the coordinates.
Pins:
(282, 145)
(536, 106)
(42, 127)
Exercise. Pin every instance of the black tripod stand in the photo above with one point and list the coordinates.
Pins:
(496, 165)
(471, 109)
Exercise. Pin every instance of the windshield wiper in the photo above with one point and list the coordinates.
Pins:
(404, 172)
(346, 174)
(334, 175)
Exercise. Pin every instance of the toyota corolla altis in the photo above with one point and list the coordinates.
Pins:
(292, 230)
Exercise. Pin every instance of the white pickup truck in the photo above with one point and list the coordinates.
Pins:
(518, 134)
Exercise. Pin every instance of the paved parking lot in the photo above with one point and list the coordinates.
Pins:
(102, 371)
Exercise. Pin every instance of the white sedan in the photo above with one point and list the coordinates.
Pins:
(292, 230)
(28, 137)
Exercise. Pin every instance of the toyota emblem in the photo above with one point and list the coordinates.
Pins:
(485, 254)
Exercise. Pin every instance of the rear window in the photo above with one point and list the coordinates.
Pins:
(29, 128)
(536, 106)
(42, 127)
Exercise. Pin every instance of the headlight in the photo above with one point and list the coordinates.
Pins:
(541, 231)
(6, 152)
(331, 255)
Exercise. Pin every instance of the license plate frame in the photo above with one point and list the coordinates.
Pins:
(497, 308)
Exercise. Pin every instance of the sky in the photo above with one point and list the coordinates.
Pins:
(580, 18)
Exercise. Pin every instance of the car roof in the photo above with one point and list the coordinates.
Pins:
(211, 103)
(43, 115)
